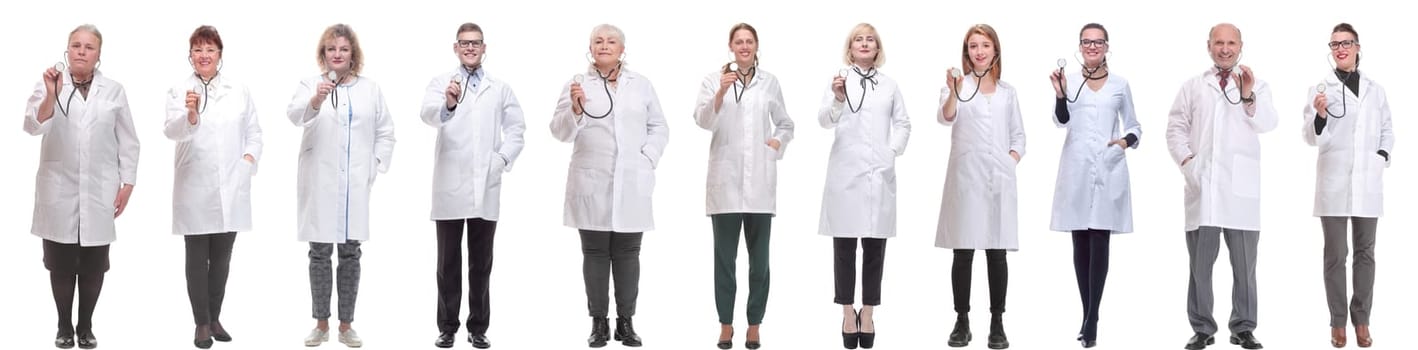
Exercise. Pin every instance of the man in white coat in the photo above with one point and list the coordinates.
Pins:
(480, 130)
(1212, 133)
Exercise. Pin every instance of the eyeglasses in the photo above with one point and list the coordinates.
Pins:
(1092, 43)
(470, 43)
(1348, 44)
(206, 51)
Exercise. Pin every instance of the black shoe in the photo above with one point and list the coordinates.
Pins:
(1089, 343)
(728, 343)
(1246, 340)
(752, 344)
(203, 338)
(1200, 341)
(445, 340)
(625, 332)
(219, 333)
(479, 341)
(850, 340)
(997, 339)
(600, 332)
(960, 336)
(87, 340)
(64, 339)
(866, 340)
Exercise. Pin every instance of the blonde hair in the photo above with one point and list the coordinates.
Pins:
(988, 32)
(341, 31)
(880, 59)
(87, 28)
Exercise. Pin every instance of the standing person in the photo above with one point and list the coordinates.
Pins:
(480, 128)
(1213, 134)
(348, 140)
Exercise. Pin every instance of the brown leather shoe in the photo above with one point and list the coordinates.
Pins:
(1337, 337)
(1361, 333)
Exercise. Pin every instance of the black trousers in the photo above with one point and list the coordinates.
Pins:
(960, 278)
(208, 265)
(1090, 264)
(605, 254)
(450, 267)
(844, 267)
(71, 266)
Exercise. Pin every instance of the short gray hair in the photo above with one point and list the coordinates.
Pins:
(608, 29)
(91, 29)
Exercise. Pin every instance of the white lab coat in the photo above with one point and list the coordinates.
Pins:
(211, 182)
(1093, 189)
(84, 159)
(979, 206)
(611, 179)
(1350, 174)
(859, 198)
(343, 149)
(478, 143)
(1223, 180)
(743, 169)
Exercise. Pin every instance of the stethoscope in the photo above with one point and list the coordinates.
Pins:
(334, 92)
(64, 108)
(869, 76)
(1240, 79)
(205, 84)
(459, 79)
(734, 67)
(956, 74)
(580, 78)
(1343, 100)
(1088, 74)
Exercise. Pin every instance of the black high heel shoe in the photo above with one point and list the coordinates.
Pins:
(727, 343)
(849, 340)
(867, 340)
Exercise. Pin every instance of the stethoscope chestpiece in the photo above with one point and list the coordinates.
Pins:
(842, 73)
(458, 79)
(955, 73)
(332, 76)
(60, 67)
(579, 78)
(1062, 63)
(734, 66)
(1320, 88)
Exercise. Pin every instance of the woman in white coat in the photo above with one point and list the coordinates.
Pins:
(88, 166)
(613, 118)
(979, 207)
(859, 201)
(1092, 196)
(1349, 120)
(348, 140)
(213, 120)
(743, 107)
(480, 129)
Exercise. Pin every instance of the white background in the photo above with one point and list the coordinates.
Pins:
(536, 46)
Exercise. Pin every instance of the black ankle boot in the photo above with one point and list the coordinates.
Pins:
(997, 339)
(625, 332)
(600, 332)
(960, 336)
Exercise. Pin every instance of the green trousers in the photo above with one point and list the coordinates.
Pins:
(756, 229)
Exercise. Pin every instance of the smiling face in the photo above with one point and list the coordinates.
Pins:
(864, 47)
(1093, 45)
(1344, 47)
(744, 46)
(338, 55)
(470, 48)
(1225, 46)
(606, 47)
(83, 52)
(981, 52)
(205, 59)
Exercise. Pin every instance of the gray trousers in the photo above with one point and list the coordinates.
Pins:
(606, 254)
(345, 279)
(1336, 251)
(1204, 244)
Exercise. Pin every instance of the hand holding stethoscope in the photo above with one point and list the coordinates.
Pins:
(1247, 80)
(326, 89)
(735, 77)
(1322, 103)
(839, 86)
(56, 76)
(454, 92)
(578, 95)
(1059, 80)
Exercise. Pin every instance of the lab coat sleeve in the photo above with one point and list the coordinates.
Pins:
(657, 131)
(127, 137)
(1265, 118)
(1016, 126)
(1179, 126)
(831, 111)
(1385, 129)
(1307, 129)
(782, 124)
(383, 135)
(1129, 115)
(513, 126)
(945, 95)
(299, 110)
(900, 124)
(565, 124)
(253, 145)
(704, 114)
(32, 124)
(435, 105)
(176, 127)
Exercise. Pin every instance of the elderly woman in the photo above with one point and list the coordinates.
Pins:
(349, 138)
(88, 166)
(613, 118)
(859, 201)
(743, 107)
(213, 120)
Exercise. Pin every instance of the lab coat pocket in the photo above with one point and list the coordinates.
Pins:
(494, 171)
(645, 181)
(1245, 176)
(1115, 163)
(1376, 173)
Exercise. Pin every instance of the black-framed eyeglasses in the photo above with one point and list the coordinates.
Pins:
(1348, 44)
(1092, 43)
(470, 43)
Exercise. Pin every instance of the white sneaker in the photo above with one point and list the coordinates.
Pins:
(316, 337)
(350, 339)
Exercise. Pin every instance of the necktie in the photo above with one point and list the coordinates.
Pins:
(1222, 75)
